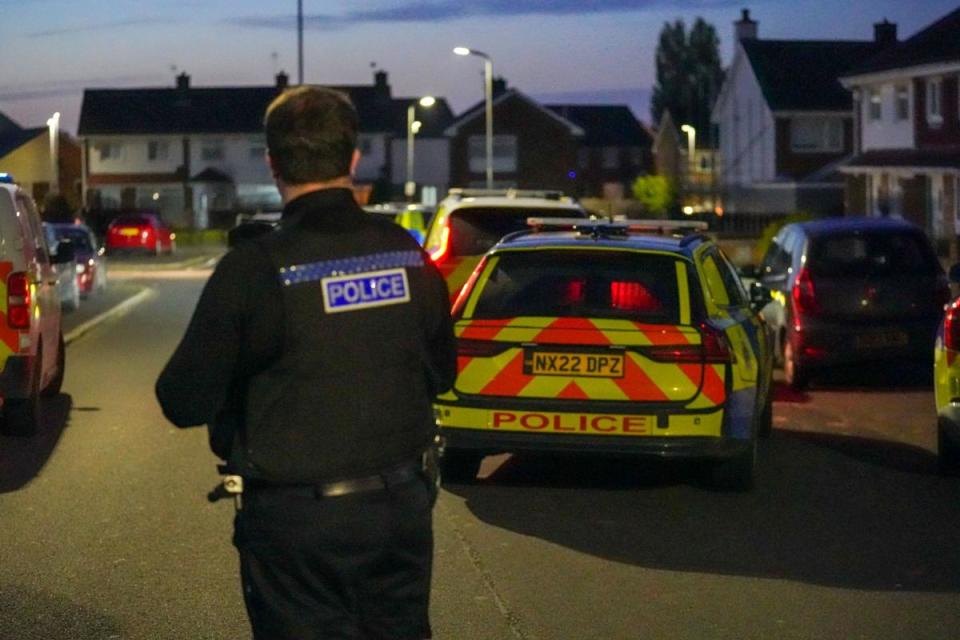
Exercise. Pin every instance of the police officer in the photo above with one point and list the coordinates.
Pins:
(314, 353)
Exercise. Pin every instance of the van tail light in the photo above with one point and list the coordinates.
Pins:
(440, 253)
(713, 349)
(804, 294)
(468, 348)
(18, 300)
(951, 327)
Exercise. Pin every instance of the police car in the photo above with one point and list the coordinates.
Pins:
(469, 222)
(605, 337)
(946, 372)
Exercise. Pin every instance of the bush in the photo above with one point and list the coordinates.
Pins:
(656, 193)
(201, 237)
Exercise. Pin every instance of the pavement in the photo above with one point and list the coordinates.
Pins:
(128, 286)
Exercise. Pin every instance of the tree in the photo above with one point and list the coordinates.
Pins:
(689, 75)
(656, 194)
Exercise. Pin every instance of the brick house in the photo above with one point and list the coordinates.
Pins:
(785, 121)
(908, 129)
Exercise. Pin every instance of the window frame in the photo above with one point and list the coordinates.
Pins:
(934, 96)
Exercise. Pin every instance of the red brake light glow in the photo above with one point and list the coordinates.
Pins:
(468, 348)
(951, 327)
(804, 294)
(713, 349)
(440, 252)
(18, 300)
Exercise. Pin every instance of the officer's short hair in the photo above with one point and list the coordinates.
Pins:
(311, 134)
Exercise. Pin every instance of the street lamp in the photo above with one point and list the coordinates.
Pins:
(488, 94)
(53, 126)
(691, 147)
(413, 126)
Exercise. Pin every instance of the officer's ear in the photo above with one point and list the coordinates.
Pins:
(354, 160)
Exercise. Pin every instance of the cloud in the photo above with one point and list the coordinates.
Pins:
(115, 24)
(446, 10)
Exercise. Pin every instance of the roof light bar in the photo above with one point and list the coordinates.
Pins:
(599, 224)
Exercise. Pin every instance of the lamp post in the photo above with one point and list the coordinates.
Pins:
(413, 126)
(691, 149)
(53, 126)
(299, 41)
(488, 96)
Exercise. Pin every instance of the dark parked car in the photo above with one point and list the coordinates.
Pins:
(851, 290)
(90, 258)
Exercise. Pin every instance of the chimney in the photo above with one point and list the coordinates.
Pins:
(885, 33)
(499, 86)
(381, 85)
(283, 81)
(745, 28)
(183, 81)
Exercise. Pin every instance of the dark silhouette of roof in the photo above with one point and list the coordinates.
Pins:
(803, 75)
(214, 110)
(605, 125)
(939, 42)
(13, 139)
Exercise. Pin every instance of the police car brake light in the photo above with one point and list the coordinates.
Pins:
(438, 254)
(951, 327)
(468, 348)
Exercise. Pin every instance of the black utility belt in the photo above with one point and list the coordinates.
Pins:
(377, 482)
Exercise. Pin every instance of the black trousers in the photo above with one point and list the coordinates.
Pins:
(351, 567)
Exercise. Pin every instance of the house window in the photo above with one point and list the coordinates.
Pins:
(157, 150)
(817, 135)
(110, 151)
(211, 150)
(504, 154)
(876, 105)
(934, 97)
(611, 158)
(903, 103)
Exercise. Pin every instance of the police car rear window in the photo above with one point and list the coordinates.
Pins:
(633, 286)
(876, 253)
(474, 230)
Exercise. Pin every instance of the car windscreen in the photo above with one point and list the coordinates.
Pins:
(79, 238)
(871, 253)
(474, 230)
(636, 286)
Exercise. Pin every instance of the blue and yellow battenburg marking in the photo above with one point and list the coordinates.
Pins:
(356, 283)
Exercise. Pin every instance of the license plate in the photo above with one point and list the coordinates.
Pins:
(129, 232)
(882, 339)
(558, 363)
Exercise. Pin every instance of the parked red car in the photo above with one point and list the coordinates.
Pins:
(140, 232)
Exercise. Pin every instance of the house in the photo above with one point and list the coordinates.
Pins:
(689, 162)
(907, 160)
(25, 153)
(785, 121)
(196, 154)
(533, 147)
(615, 148)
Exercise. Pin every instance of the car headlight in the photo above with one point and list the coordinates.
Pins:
(81, 268)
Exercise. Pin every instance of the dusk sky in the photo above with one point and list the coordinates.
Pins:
(574, 51)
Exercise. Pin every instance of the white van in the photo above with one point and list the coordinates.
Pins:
(31, 339)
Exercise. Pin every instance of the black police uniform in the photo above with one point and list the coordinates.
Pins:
(314, 353)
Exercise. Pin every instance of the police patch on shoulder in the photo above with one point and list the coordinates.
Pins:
(359, 291)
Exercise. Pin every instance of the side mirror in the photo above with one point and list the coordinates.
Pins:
(954, 274)
(64, 253)
(759, 296)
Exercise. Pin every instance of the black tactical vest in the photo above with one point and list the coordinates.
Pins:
(349, 394)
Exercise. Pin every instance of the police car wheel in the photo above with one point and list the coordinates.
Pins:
(56, 383)
(948, 454)
(459, 467)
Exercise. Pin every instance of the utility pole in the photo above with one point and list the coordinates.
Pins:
(299, 41)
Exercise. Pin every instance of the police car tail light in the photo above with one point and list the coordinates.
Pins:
(804, 293)
(951, 327)
(438, 254)
(18, 300)
(480, 348)
(713, 349)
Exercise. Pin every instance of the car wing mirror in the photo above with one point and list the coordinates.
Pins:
(759, 296)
